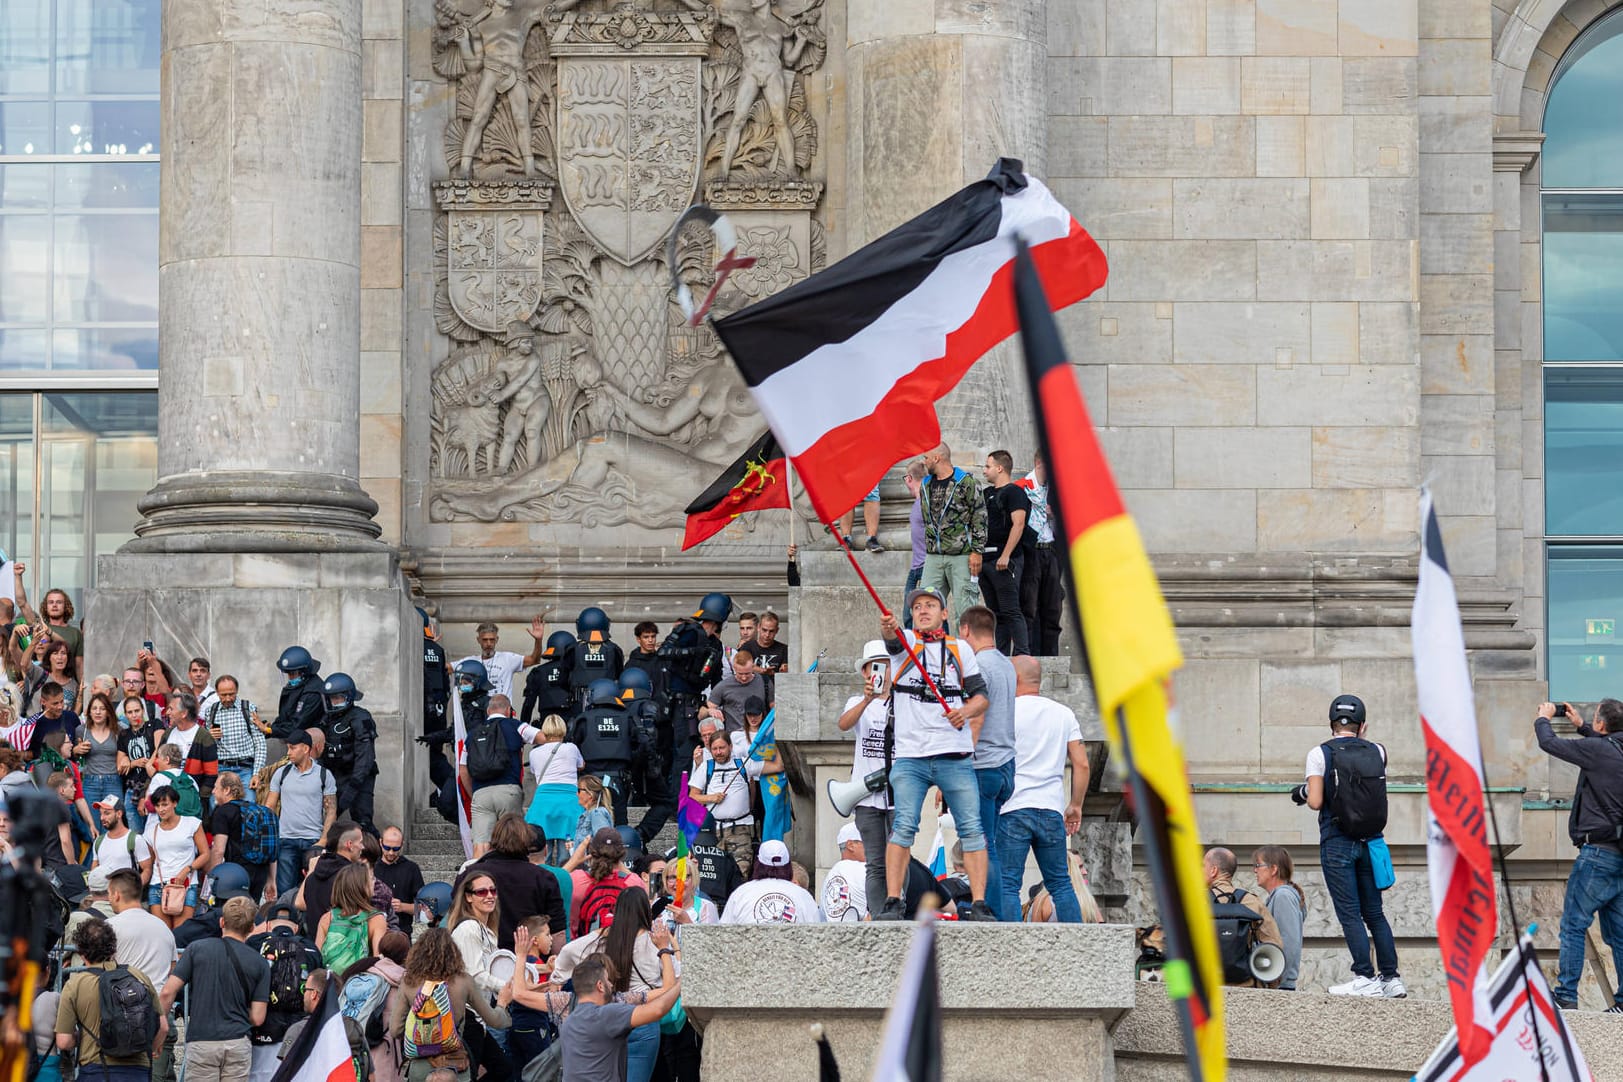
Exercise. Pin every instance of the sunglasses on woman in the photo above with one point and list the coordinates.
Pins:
(483, 892)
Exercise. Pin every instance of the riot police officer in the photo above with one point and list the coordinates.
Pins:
(694, 653)
(436, 694)
(471, 682)
(607, 740)
(351, 752)
(546, 686)
(652, 763)
(593, 656)
(300, 706)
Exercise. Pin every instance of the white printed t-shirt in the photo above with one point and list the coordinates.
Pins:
(922, 729)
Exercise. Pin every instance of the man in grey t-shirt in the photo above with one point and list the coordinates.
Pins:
(994, 739)
(595, 1035)
(726, 700)
(305, 797)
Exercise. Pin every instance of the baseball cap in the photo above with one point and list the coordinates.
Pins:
(1347, 710)
(281, 911)
(754, 705)
(109, 801)
(608, 842)
(774, 854)
(96, 878)
(925, 592)
(299, 736)
(848, 833)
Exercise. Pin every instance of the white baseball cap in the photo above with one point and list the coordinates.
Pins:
(774, 854)
(848, 834)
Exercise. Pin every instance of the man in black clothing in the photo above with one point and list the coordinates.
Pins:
(693, 653)
(300, 705)
(399, 873)
(718, 871)
(646, 657)
(343, 847)
(351, 751)
(546, 685)
(1596, 828)
(280, 941)
(225, 823)
(1007, 509)
(436, 694)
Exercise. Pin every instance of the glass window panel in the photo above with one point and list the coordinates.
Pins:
(107, 46)
(1586, 602)
(23, 350)
(25, 126)
(1581, 147)
(24, 267)
(107, 184)
(106, 349)
(107, 127)
(99, 456)
(25, 46)
(1583, 265)
(1583, 451)
(106, 268)
(25, 187)
(17, 476)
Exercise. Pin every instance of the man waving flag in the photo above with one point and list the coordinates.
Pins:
(1131, 651)
(1462, 888)
(848, 364)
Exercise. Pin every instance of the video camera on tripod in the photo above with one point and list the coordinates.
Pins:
(27, 905)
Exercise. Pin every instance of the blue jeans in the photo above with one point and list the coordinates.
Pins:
(290, 861)
(99, 785)
(1043, 832)
(910, 779)
(1351, 882)
(132, 810)
(1594, 886)
(913, 577)
(996, 787)
(642, 1051)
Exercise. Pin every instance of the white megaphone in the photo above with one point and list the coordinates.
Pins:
(1267, 962)
(846, 795)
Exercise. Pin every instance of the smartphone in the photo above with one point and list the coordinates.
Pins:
(1560, 710)
(876, 678)
(659, 906)
(147, 646)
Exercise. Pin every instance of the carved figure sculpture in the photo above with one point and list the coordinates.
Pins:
(767, 70)
(492, 43)
(527, 401)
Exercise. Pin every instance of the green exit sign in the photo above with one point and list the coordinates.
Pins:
(1600, 629)
(1592, 662)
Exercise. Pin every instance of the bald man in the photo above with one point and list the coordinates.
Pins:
(1038, 817)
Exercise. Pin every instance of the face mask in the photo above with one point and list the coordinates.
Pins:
(465, 689)
(295, 681)
(337, 702)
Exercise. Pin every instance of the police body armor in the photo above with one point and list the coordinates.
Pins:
(588, 661)
(299, 708)
(547, 691)
(436, 684)
(695, 658)
(607, 738)
(345, 732)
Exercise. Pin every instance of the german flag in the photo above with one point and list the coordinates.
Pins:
(759, 480)
(1131, 651)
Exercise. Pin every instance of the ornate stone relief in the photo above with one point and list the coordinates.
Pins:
(578, 133)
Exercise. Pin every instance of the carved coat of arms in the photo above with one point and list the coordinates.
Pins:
(629, 121)
(494, 250)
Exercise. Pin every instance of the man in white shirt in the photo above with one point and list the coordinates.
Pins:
(144, 942)
(865, 714)
(771, 896)
(1042, 585)
(724, 784)
(845, 897)
(1037, 818)
(933, 747)
(502, 665)
(119, 846)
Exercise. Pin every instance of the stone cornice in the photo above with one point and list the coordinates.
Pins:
(1516, 151)
(516, 193)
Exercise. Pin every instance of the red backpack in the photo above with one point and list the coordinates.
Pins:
(597, 907)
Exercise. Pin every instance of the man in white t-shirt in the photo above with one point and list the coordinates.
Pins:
(1037, 816)
(119, 846)
(865, 714)
(502, 665)
(933, 746)
(724, 784)
(845, 896)
(771, 896)
(144, 942)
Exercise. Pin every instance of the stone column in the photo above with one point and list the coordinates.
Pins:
(259, 278)
(938, 90)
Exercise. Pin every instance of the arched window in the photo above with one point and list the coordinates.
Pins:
(1582, 193)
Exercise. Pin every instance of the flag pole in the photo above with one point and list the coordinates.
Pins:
(1175, 971)
(789, 472)
(883, 611)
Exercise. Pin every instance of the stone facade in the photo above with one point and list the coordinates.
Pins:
(1323, 227)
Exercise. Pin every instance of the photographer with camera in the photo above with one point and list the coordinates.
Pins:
(1346, 785)
(1596, 828)
(866, 714)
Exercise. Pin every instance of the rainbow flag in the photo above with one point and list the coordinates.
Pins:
(1131, 651)
(690, 814)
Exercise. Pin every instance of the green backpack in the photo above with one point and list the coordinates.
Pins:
(188, 800)
(347, 941)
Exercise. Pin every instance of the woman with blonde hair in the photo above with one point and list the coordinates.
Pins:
(555, 764)
(596, 809)
(1273, 868)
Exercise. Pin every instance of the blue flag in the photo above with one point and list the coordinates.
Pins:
(776, 818)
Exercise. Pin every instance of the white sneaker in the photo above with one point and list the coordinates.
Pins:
(1358, 986)
(1393, 989)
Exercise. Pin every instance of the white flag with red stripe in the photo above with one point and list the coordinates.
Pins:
(1457, 854)
(321, 1052)
(459, 748)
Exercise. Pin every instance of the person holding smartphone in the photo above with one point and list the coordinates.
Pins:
(866, 714)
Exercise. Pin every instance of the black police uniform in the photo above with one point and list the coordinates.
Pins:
(694, 662)
(653, 762)
(436, 697)
(607, 740)
(300, 707)
(547, 691)
(351, 755)
(588, 661)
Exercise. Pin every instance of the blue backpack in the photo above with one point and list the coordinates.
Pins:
(261, 832)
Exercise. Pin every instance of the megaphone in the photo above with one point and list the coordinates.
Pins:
(1267, 962)
(846, 795)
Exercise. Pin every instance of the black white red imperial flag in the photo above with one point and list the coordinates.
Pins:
(847, 365)
(757, 481)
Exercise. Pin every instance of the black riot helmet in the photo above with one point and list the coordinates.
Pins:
(603, 692)
(296, 663)
(472, 672)
(339, 684)
(558, 644)
(592, 625)
(715, 608)
(635, 684)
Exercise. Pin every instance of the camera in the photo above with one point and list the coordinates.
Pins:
(1560, 710)
(1299, 795)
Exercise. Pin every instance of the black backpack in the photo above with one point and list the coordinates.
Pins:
(129, 1018)
(489, 757)
(1237, 929)
(289, 959)
(1355, 786)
